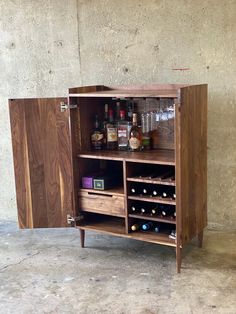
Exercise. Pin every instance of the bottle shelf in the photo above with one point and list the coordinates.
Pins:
(155, 199)
(161, 157)
(116, 226)
(151, 181)
(153, 218)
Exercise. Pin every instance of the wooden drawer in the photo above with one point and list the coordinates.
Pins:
(102, 203)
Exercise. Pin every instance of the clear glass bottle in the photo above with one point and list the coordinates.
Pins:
(135, 136)
(122, 132)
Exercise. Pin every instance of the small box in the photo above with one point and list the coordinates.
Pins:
(87, 180)
(105, 182)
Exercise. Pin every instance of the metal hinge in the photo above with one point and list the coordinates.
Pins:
(65, 106)
(72, 220)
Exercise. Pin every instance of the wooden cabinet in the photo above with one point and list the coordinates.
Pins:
(51, 148)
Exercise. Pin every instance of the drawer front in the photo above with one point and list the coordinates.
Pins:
(102, 203)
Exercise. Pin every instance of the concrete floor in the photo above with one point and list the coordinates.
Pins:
(46, 271)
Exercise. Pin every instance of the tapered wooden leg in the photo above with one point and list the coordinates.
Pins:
(82, 236)
(178, 258)
(200, 238)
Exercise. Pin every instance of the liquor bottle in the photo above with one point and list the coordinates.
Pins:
(122, 132)
(111, 132)
(104, 124)
(97, 136)
(135, 136)
(147, 226)
(135, 227)
(130, 109)
(117, 115)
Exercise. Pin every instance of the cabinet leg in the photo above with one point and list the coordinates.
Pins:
(200, 238)
(178, 258)
(82, 236)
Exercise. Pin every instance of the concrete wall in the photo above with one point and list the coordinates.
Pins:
(48, 46)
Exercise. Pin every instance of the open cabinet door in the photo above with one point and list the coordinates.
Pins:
(42, 162)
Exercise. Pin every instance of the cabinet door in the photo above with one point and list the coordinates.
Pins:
(42, 162)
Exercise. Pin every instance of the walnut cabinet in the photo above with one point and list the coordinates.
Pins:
(51, 149)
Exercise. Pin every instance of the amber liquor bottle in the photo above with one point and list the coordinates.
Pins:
(97, 136)
(135, 136)
(111, 132)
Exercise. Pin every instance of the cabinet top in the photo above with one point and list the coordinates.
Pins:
(151, 90)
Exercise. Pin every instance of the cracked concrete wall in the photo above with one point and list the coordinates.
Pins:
(47, 47)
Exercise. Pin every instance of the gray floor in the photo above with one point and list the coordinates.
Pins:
(46, 271)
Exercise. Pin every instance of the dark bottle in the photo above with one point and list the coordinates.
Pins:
(111, 132)
(146, 191)
(144, 210)
(168, 211)
(157, 228)
(117, 116)
(135, 227)
(134, 190)
(156, 192)
(97, 136)
(135, 136)
(104, 124)
(130, 109)
(122, 132)
(174, 196)
(135, 209)
(172, 234)
(154, 211)
(147, 226)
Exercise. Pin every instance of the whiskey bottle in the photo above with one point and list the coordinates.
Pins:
(122, 132)
(97, 136)
(135, 136)
(111, 132)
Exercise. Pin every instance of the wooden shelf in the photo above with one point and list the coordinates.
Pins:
(174, 93)
(154, 199)
(162, 157)
(153, 218)
(114, 191)
(151, 181)
(116, 227)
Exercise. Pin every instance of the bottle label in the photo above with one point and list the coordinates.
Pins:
(111, 135)
(134, 143)
(96, 137)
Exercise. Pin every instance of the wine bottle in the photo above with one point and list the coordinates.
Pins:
(146, 191)
(134, 190)
(147, 226)
(111, 132)
(135, 136)
(167, 211)
(143, 210)
(174, 196)
(172, 234)
(154, 211)
(135, 227)
(155, 192)
(157, 228)
(135, 209)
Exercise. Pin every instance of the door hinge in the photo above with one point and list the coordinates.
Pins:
(65, 106)
(72, 220)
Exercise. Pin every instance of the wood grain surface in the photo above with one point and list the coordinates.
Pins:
(42, 162)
